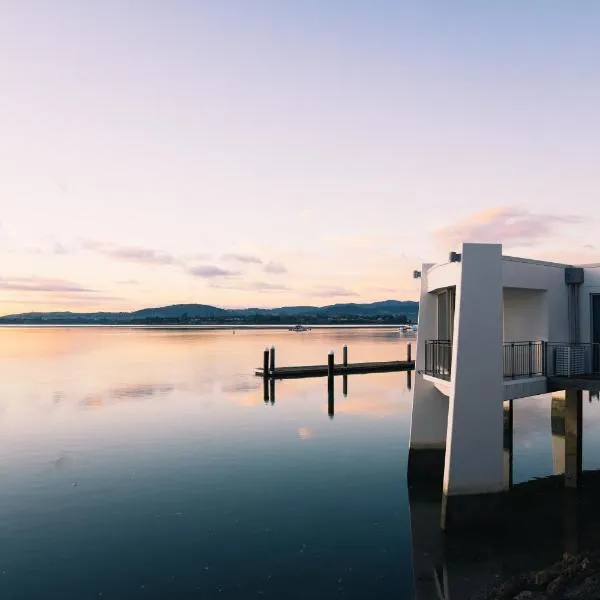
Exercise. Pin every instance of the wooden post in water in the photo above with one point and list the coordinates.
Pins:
(345, 353)
(409, 352)
(272, 358)
(409, 380)
(345, 385)
(266, 390)
(330, 385)
(272, 389)
(266, 363)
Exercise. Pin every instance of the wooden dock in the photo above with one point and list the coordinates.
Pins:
(340, 369)
(270, 371)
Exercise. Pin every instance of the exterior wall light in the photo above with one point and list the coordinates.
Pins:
(416, 274)
(455, 257)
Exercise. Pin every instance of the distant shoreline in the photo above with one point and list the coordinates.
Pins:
(204, 327)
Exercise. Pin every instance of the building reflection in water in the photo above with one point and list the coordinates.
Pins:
(540, 521)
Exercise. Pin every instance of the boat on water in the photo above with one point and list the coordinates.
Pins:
(299, 328)
(408, 329)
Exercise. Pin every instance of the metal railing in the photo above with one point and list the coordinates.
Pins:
(438, 358)
(524, 359)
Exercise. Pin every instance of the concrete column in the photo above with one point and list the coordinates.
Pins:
(557, 421)
(473, 471)
(508, 444)
(430, 407)
(573, 437)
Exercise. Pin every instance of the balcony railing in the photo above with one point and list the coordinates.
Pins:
(438, 358)
(524, 359)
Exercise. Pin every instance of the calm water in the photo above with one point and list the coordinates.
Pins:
(144, 463)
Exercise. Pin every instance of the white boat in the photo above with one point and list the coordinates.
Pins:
(407, 329)
(299, 328)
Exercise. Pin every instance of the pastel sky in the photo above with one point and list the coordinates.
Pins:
(264, 153)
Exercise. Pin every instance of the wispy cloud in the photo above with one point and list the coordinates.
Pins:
(327, 291)
(275, 268)
(210, 271)
(136, 254)
(508, 225)
(243, 258)
(41, 284)
(254, 286)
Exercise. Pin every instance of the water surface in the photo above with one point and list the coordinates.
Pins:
(145, 463)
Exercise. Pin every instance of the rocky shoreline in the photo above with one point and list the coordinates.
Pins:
(575, 577)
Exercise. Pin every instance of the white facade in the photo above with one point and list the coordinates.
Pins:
(494, 328)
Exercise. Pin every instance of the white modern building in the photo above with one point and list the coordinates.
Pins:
(494, 328)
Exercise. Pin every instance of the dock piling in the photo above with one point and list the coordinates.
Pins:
(345, 355)
(409, 352)
(272, 390)
(266, 363)
(330, 365)
(330, 384)
(272, 358)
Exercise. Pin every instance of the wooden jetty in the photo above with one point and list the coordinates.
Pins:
(269, 370)
(339, 369)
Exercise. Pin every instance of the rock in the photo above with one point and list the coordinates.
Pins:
(556, 586)
(585, 564)
(589, 589)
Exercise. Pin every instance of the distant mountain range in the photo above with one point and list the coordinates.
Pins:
(388, 311)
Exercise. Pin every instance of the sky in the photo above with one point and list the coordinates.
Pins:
(269, 153)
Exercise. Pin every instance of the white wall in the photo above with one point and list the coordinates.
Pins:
(535, 275)
(525, 315)
(474, 446)
(430, 407)
(443, 276)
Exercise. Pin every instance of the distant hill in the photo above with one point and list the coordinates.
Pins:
(387, 311)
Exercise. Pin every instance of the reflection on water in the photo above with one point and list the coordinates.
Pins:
(153, 464)
(146, 464)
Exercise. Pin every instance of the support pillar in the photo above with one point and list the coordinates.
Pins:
(430, 407)
(557, 425)
(473, 470)
(573, 437)
(508, 444)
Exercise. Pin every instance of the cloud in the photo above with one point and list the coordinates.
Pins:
(210, 271)
(136, 254)
(263, 286)
(41, 284)
(508, 225)
(254, 286)
(275, 268)
(332, 291)
(243, 258)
